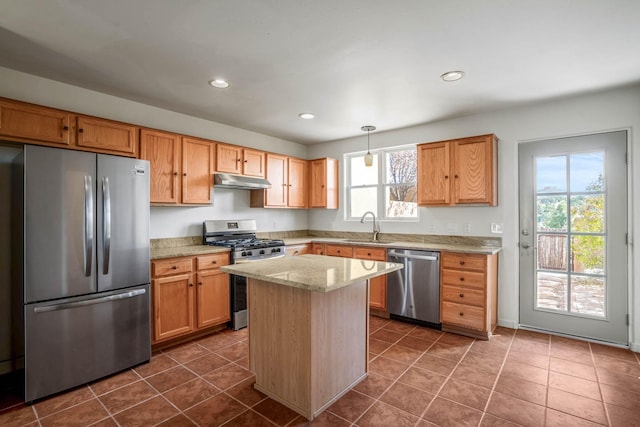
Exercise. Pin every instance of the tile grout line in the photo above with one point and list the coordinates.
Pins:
(604, 406)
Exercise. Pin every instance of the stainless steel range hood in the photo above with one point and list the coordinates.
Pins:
(227, 180)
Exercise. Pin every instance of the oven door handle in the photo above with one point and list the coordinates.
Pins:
(246, 261)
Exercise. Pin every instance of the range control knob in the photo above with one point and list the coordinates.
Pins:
(249, 253)
(261, 251)
(243, 254)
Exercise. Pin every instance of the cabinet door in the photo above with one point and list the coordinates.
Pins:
(228, 159)
(107, 136)
(276, 196)
(318, 187)
(297, 183)
(162, 150)
(473, 175)
(434, 181)
(318, 248)
(173, 304)
(253, 163)
(378, 292)
(213, 298)
(197, 170)
(37, 124)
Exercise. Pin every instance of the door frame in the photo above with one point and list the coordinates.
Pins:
(631, 313)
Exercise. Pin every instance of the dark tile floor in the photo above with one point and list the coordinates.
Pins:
(418, 377)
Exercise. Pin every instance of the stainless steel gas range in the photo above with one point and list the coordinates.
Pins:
(240, 237)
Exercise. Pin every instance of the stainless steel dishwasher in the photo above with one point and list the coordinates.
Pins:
(413, 293)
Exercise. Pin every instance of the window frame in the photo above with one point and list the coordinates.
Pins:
(381, 186)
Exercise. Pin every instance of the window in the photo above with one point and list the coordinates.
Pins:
(388, 188)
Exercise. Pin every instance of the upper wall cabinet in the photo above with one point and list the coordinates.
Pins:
(30, 123)
(323, 183)
(181, 167)
(288, 178)
(458, 172)
(240, 161)
(107, 136)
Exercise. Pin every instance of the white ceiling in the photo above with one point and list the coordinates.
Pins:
(351, 62)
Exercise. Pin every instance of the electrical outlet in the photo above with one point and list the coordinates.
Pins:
(496, 227)
(466, 228)
(452, 227)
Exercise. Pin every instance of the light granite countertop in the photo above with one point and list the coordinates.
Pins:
(313, 272)
(448, 247)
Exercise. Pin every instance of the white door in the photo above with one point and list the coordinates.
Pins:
(573, 234)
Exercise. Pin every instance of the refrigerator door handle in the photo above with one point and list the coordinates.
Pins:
(88, 225)
(76, 304)
(106, 224)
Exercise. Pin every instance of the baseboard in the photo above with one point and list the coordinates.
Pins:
(511, 324)
(635, 347)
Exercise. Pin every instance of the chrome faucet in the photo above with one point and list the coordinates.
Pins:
(376, 227)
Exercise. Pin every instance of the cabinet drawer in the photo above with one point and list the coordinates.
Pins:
(339, 250)
(463, 261)
(462, 295)
(377, 254)
(463, 315)
(208, 262)
(463, 278)
(296, 250)
(169, 267)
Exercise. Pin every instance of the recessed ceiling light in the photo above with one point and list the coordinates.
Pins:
(219, 83)
(452, 76)
(306, 116)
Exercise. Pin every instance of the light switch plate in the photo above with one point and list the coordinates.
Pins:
(452, 227)
(496, 227)
(466, 228)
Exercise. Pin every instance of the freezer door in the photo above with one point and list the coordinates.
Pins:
(78, 340)
(59, 224)
(123, 222)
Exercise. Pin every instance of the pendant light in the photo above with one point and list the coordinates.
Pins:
(368, 158)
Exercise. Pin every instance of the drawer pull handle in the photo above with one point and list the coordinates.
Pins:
(461, 262)
(461, 314)
(199, 283)
(461, 295)
(174, 267)
(214, 262)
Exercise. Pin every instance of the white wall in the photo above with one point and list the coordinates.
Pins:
(165, 221)
(615, 109)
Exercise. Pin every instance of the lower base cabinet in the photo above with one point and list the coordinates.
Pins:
(468, 293)
(188, 294)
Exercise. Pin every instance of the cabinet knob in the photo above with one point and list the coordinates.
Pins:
(461, 314)
(199, 283)
(461, 262)
(455, 176)
(184, 174)
(284, 185)
(368, 253)
(65, 127)
(191, 285)
(80, 130)
(296, 253)
(461, 295)
(246, 161)
(174, 267)
(214, 262)
(290, 185)
(175, 174)
(462, 279)
(446, 177)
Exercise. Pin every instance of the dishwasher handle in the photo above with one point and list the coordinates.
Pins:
(412, 256)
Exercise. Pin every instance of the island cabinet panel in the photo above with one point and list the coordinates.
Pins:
(377, 285)
(295, 250)
(468, 293)
(25, 122)
(310, 354)
(458, 172)
(107, 136)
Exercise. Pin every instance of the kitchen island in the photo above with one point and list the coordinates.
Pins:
(308, 327)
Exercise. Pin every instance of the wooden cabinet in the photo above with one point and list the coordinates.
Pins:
(295, 250)
(318, 249)
(377, 285)
(106, 136)
(323, 183)
(181, 168)
(197, 170)
(468, 293)
(460, 171)
(212, 291)
(40, 125)
(288, 178)
(240, 161)
(173, 298)
(339, 250)
(189, 293)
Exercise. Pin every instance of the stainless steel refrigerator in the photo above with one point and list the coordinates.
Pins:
(86, 267)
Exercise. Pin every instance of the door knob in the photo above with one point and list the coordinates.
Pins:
(525, 245)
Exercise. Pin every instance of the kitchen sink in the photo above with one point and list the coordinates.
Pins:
(379, 242)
